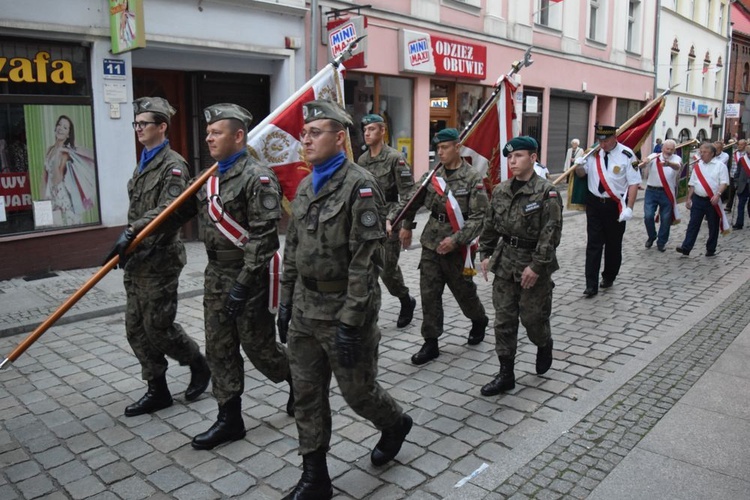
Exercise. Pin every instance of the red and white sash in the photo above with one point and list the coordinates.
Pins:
(456, 218)
(603, 179)
(742, 162)
(237, 234)
(669, 190)
(719, 207)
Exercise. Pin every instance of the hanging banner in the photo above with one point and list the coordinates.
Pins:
(341, 32)
(126, 25)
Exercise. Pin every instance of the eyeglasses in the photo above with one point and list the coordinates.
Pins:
(142, 125)
(314, 133)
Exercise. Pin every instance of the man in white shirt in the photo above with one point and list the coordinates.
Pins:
(613, 186)
(661, 192)
(708, 181)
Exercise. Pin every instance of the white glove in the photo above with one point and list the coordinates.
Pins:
(580, 161)
(626, 215)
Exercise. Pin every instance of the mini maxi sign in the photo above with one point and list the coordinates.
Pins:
(126, 25)
(344, 30)
(434, 55)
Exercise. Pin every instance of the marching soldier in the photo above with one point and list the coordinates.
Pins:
(445, 246)
(152, 272)
(331, 297)
(395, 179)
(520, 236)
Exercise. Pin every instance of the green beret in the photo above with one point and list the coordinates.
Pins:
(604, 131)
(226, 111)
(368, 119)
(520, 143)
(325, 110)
(445, 135)
(157, 105)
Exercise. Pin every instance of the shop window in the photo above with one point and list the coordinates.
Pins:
(48, 177)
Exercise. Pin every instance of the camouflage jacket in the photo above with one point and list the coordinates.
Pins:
(335, 236)
(468, 189)
(533, 214)
(392, 173)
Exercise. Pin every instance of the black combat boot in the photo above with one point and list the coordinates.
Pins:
(315, 484)
(505, 380)
(200, 376)
(290, 401)
(157, 397)
(406, 314)
(229, 426)
(391, 440)
(476, 334)
(429, 351)
(544, 358)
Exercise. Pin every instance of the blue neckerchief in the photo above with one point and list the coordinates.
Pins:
(147, 156)
(226, 164)
(321, 173)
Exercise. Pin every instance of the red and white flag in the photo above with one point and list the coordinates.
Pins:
(275, 141)
(483, 143)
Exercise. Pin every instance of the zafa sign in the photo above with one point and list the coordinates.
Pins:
(434, 55)
(344, 30)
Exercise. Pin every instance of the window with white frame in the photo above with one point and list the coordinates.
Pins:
(689, 74)
(596, 20)
(688, 9)
(720, 18)
(673, 57)
(549, 13)
(634, 26)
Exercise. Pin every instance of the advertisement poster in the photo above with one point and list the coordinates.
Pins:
(126, 25)
(62, 167)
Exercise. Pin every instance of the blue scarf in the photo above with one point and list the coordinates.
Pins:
(147, 156)
(226, 164)
(321, 173)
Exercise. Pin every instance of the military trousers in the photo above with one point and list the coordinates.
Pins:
(149, 323)
(313, 358)
(533, 306)
(392, 277)
(254, 330)
(436, 271)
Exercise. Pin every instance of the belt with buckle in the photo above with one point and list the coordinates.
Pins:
(516, 242)
(325, 286)
(225, 255)
(655, 188)
(441, 217)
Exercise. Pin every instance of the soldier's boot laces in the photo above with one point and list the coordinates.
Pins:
(429, 351)
(408, 304)
(315, 483)
(290, 401)
(544, 358)
(229, 426)
(200, 376)
(504, 381)
(476, 334)
(157, 397)
(391, 441)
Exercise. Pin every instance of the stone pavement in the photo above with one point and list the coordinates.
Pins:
(645, 399)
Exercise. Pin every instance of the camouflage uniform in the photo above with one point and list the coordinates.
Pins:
(437, 270)
(333, 249)
(153, 271)
(520, 230)
(251, 195)
(395, 179)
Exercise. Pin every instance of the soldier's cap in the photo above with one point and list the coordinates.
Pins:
(520, 143)
(604, 131)
(157, 105)
(226, 111)
(368, 119)
(445, 135)
(325, 110)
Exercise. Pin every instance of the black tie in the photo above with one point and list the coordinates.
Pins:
(606, 166)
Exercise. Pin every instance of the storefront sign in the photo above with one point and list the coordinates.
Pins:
(732, 110)
(434, 55)
(344, 30)
(15, 191)
(126, 25)
(703, 110)
(686, 106)
(38, 70)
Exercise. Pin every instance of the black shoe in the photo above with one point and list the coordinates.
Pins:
(476, 334)
(736, 227)
(606, 283)
(315, 483)
(590, 292)
(683, 251)
(650, 242)
(408, 304)
(544, 358)
(200, 376)
(428, 352)
(504, 381)
(661, 248)
(157, 398)
(229, 426)
(290, 401)
(391, 441)
(710, 253)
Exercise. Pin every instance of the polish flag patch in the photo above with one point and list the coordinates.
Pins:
(365, 193)
(177, 172)
(264, 179)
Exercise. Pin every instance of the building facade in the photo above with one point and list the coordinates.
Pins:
(64, 200)
(738, 92)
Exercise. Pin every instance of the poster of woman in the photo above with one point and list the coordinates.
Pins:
(62, 167)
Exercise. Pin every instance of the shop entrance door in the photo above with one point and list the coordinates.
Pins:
(442, 111)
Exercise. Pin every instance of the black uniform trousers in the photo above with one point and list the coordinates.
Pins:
(604, 234)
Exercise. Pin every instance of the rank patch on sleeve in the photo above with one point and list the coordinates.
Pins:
(264, 179)
(177, 172)
(401, 162)
(365, 193)
(174, 190)
(368, 218)
(268, 201)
